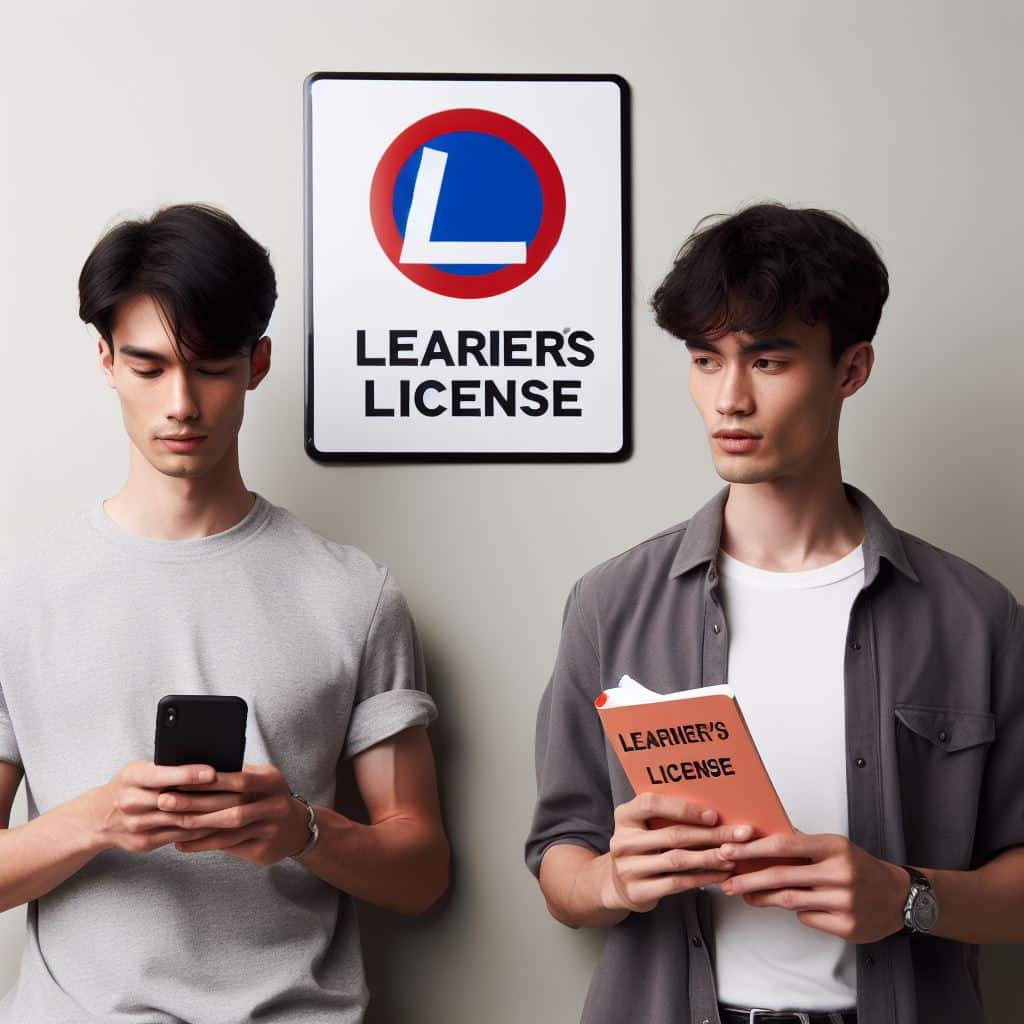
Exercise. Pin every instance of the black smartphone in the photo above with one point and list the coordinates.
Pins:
(200, 729)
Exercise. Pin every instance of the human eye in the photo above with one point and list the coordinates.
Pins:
(207, 372)
(770, 365)
(705, 363)
(145, 373)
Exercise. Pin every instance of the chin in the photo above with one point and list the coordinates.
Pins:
(737, 471)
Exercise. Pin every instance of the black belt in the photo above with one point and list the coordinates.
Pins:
(737, 1015)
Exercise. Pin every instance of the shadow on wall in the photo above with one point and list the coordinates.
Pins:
(380, 929)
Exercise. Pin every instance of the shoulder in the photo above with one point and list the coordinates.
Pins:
(56, 551)
(327, 562)
(956, 582)
(629, 574)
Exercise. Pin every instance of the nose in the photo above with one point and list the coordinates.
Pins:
(181, 402)
(734, 394)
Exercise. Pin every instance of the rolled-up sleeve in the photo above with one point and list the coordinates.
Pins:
(391, 693)
(574, 803)
(1001, 805)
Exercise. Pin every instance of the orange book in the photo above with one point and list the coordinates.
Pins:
(694, 744)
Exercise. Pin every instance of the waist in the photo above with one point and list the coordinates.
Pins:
(752, 1015)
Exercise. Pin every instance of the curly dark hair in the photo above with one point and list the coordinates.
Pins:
(749, 270)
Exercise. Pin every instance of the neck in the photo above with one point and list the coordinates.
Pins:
(793, 523)
(155, 505)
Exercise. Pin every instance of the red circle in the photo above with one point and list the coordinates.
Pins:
(462, 286)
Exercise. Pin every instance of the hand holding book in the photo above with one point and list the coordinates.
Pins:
(645, 863)
(695, 745)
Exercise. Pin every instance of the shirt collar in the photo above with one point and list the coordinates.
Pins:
(700, 541)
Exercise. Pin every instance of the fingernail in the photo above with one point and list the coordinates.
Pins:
(207, 775)
(726, 851)
(709, 817)
(727, 888)
(742, 832)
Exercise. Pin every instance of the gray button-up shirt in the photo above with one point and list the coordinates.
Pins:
(934, 699)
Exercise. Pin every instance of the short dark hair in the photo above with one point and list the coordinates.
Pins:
(751, 269)
(212, 281)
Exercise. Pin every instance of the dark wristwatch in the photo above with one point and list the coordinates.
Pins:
(921, 911)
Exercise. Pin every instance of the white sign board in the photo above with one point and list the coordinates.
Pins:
(467, 267)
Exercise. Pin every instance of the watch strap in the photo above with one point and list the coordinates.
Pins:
(918, 882)
(314, 830)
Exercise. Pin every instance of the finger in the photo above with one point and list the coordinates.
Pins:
(198, 802)
(670, 862)
(253, 778)
(223, 782)
(161, 776)
(680, 837)
(657, 805)
(219, 840)
(136, 800)
(238, 816)
(784, 844)
(801, 899)
(778, 877)
(145, 842)
(642, 893)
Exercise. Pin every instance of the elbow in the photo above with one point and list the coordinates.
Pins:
(433, 875)
(561, 915)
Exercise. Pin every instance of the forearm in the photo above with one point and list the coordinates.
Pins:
(399, 862)
(984, 905)
(575, 881)
(37, 856)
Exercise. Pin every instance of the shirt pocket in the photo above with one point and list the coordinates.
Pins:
(942, 753)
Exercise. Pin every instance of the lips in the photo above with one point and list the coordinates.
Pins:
(183, 444)
(736, 442)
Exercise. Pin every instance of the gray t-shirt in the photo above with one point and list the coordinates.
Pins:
(96, 625)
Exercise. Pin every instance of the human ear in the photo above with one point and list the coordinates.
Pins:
(856, 364)
(106, 361)
(259, 362)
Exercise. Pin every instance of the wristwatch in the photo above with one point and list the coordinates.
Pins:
(314, 831)
(921, 911)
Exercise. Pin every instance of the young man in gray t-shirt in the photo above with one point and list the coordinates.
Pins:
(229, 898)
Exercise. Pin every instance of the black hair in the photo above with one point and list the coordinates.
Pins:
(749, 270)
(212, 281)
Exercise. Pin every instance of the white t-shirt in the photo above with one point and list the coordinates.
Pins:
(787, 639)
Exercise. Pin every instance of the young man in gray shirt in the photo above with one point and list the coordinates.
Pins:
(160, 895)
(883, 680)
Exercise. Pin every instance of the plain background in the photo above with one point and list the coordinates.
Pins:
(904, 117)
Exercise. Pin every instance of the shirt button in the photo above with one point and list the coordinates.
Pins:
(855, 644)
(860, 762)
(716, 628)
(943, 736)
(697, 942)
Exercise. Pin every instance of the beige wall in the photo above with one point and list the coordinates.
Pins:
(905, 117)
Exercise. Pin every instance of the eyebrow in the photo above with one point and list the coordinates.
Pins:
(764, 345)
(143, 353)
(135, 352)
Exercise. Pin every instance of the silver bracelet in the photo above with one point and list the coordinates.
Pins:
(314, 831)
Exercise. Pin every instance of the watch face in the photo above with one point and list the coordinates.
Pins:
(925, 911)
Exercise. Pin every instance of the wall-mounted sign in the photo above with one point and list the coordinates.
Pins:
(467, 267)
